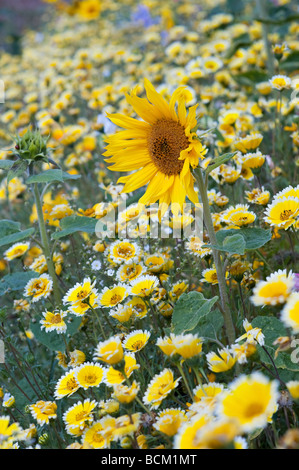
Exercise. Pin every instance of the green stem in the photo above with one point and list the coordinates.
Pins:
(260, 4)
(46, 246)
(185, 379)
(228, 321)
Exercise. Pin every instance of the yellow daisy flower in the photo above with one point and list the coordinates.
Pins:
(290, 312)
(293, 388)
(16, 251)
(280, 82)
(100, 434)
(187, 345)
(54, 321)
(138, 306)
(66, 385)
(159, 387)
(129, 271)
(115, 295)
(169, 421)
(78, 416)
(222, 362)
(109, 351)
(144, 285)
(124, 393)
(238, 216)
(275, 290)
(136, 340)
(282, 212)
(187, 437)
(89, 374)
(38, 288)
(124, 251)
(250, 142)
(162, 147)
(251, 401)
(43, 411)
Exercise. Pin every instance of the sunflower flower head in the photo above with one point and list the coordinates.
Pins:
(160, 150)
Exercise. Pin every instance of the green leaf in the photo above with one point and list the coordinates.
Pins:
(8, 226)
(19, 167)
(234, 244)
(52, 340)
(190, 308)
(219, 161)
(17, 236)
(210, 325)
(6, 164)
(273, 328)
(287, 18)
(250, 78)
(291, 63)
(254, 237)
(241, 41)
(16, 281)
(75, 223)
(50, 176)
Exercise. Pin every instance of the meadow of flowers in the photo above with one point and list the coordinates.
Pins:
(149, 198)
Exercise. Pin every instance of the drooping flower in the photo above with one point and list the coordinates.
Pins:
(109, 351)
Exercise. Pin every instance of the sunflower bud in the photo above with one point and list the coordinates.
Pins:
(31, 146)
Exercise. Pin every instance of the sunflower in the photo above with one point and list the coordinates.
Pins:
(162, 148)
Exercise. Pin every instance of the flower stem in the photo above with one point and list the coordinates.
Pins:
(228, 321)
(45, 243)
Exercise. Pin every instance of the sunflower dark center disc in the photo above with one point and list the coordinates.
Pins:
(165, 142)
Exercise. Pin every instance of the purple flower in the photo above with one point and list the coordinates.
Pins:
(296, 286)
(142, 15)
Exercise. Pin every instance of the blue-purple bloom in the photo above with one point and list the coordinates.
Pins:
(142, 15)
